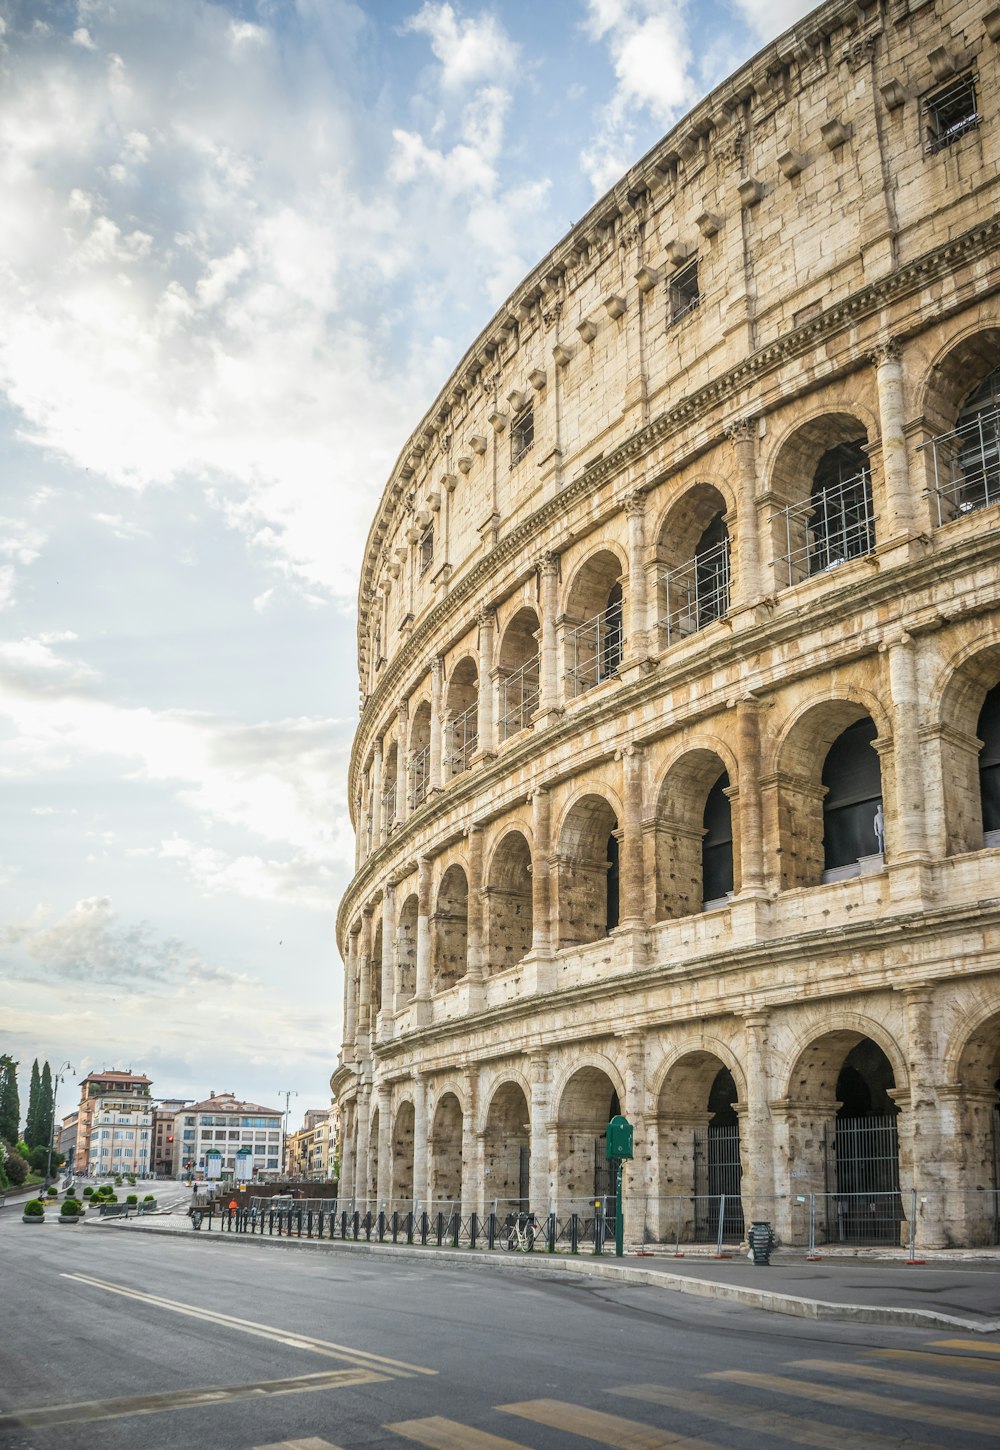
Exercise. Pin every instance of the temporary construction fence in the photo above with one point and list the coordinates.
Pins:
(905, 1222)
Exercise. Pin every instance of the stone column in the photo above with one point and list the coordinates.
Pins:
(635, 1186)
(541, 874)
(361, 1162)
(897, 517)
(388, 960)
(637, 624)
(742, 435)
(751, 808)
(384, 1170)
(364, 992)
(631, 880)
(360, 832)
(908, 840)
(548, 661)
(474, 952)
(437, 708)
(756, 1127)
(938, 1181)
(539, 1113)
(401, 757)
(419, 1139)
(351, 995)
(485, 714)
(378, 823)
(423, 974)
(471, 1186)
(349, 1119)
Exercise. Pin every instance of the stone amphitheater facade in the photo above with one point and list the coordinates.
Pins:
(677, 778)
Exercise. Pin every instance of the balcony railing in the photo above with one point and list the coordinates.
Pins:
(420, 774)
(828, 529)
(464, 739)
(966, 466)
(594, 650)
(519, 693)
(697, 593)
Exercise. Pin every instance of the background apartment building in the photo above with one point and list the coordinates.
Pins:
(224, 1123)
(109, 1096)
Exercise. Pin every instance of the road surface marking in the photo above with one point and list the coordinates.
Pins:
(609, 1430)
(287, 1337)
(311, 1444)
(895, 1377)
(87, 1411)
(771, 1422)
(440, 1434)
(951, 1419)
(943, 1361)
(979, 1345)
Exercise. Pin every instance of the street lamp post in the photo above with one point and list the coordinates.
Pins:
(66, 1067)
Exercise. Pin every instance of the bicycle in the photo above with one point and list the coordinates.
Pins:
(519, 1231)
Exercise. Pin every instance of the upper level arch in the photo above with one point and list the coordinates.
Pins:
(593, 620)
(692, 551)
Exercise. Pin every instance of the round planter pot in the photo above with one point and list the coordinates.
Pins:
(70, 1217)
(32, 1218)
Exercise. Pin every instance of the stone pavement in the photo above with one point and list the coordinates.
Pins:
(957, 1291)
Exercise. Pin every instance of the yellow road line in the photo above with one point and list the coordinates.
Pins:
(287, 1337)
(609, 1430)
(441, 1434)
(943, 1361)
(982, 1346)
(771, 1422)
(87, 1411)
(897, 1377)
(950, 1418)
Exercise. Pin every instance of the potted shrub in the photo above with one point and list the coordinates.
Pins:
(71, 1211)
(51, 1191)
(88, 1192)
(33, 1211)
(131, 1199)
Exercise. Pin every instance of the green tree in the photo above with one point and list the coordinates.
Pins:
(10, 1106)
(31, 1121)
(45, 1106)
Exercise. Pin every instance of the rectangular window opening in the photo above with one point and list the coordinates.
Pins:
(427, 549)
(949, 113)
(684, 294)
(522, 434)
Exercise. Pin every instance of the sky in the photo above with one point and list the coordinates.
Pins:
(242, 245)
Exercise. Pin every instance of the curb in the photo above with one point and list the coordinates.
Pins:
(768, 1300)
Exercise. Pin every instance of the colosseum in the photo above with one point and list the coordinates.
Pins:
(677, 778)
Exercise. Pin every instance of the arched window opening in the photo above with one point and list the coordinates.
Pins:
(420, 756)
(406, 952)
(988, 731)
(863, 1150)
(518, 683)
(606, 1169)
(723, 1163)
(853, 823)
(841, 522)
(389, 772)
(376, 970)
(717, 846)
(462, 719)
(509, 920)
(697, 592)
(614, 883)
(966, 462)
(611, 639)
(450, 931)
(593, 645)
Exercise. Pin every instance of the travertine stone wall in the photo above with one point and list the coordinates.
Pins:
(556, 671)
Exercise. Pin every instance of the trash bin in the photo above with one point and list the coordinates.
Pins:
(761, 1241)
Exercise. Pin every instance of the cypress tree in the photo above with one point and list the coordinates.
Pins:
(31, 1122)
(45, 1106)
(10, 1106)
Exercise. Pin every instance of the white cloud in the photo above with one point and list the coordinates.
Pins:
(768, 18)
(470, 50)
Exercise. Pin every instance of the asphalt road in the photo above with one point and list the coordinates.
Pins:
(141, 1343)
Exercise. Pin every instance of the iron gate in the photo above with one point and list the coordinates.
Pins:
(605, 1180)
(996, 1174)
(717, 1171)
(863, 1203)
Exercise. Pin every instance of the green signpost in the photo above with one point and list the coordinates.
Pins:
(618, 1145)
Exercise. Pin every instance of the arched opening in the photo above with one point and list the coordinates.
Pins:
(390, 770)
(406, 951)
(376, 969)
(967, 740)
(964, 454)
(853, 819)
(508, 904)
(843, 1139)
(589, 1102)
(461, 736)
(450, 931)
(517, 666)
(446, 1154)
(420, 756)
(979, 1132)
(593, 638)
(988, 731)
(370, 1166)
(823, 474)
(694, 549)
(699, 1153)
(695, 852)
(507, 1151)
(587, 872)
(402, 1157)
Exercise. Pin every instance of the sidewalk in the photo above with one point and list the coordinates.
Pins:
(957, 1292)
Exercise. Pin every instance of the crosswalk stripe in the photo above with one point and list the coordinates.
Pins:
(770, 1422)
(943, 1361)
(950, 1418)
(441, 1434)
(897, 1377)
(981, 1346)
(311, 1444)
(608, 1430)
